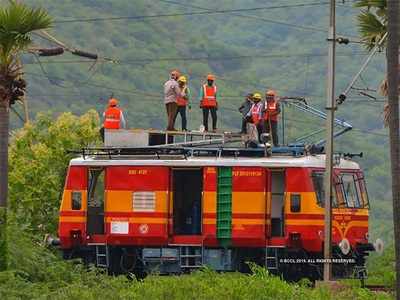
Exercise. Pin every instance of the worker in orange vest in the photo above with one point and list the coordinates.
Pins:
(271, 113)
(208, 102)
(183, 100)
(255, 114)
(113, 117)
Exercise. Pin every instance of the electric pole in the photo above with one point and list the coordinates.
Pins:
(393, 98)
(330, 107)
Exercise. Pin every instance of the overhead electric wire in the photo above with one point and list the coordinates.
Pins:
(17, 114)
(371, 132)
(132, 91)
(209, 58)
(207, 12)
(258, 17)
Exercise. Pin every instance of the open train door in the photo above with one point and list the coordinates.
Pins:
(277, 185)
(95, 203)
(187, 187)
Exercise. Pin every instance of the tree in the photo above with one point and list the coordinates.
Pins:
(372, 21)
(17, 22)
(393, 97)
(38, 163)
(378, 18)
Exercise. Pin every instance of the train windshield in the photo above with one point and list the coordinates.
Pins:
(318, 181)
(349, 190)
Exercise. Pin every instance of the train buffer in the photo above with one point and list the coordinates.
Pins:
(137, 138)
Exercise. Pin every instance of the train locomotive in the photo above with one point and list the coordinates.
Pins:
(174, 210)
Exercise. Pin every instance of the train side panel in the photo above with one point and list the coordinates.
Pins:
(72, 217)
(248, 206)
(137, 205)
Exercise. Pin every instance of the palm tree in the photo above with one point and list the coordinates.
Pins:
(377, 18)
(17, 22)
(372, 21)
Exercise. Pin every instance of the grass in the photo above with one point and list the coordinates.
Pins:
(36, 272)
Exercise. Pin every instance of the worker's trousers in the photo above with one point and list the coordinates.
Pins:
(244, 125)
(182, 112)
(172, 108)
(213, 111)
(272, 131)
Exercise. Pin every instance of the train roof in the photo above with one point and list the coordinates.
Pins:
(310, 161)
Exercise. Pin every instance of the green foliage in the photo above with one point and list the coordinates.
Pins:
(381, 268)
(37, 273)
(17, 22)
(372, 21)
(38, 163)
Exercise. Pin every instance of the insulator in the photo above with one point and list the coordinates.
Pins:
(342, 40)
(85, 54)
(51, 52)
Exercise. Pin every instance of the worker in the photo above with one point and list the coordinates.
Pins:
(208, 102)
(244, 110)
(171, 94)
(271, 112)
(113, 117)
(255, 114)
(183, 100)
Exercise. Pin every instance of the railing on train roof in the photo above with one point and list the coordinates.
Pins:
(160, 144)
(162, 152)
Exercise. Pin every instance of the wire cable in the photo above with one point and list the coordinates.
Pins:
(207, 12)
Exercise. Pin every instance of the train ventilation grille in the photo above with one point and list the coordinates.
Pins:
(144, 201)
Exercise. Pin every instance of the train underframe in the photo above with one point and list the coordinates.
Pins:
(291, 264)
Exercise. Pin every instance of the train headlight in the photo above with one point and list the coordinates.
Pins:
(344, 246)
(378, 246)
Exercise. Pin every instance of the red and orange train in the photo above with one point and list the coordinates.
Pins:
(176, 213)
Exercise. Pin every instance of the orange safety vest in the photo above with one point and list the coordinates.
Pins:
(256, 113)
(209, 96)
(181, 101)
(271, 107)
(112, 118)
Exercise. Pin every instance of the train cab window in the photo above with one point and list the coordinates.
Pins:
(319, 188)
(351, 190)
(362, 188)
(96, 187)
(76, 203)
(295, 202)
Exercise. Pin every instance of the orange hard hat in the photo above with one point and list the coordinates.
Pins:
(210, 77)
(271, 93)
(113, 102)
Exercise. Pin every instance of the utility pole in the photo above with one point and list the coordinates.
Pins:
(393, 95)
(330, 117)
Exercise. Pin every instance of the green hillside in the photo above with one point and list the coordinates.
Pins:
(281, 47)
